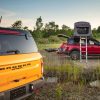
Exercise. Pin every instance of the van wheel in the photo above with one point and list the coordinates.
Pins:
(75, 55)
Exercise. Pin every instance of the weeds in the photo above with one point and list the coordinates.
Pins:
(73, 80)
(63, 73)
(58, 92)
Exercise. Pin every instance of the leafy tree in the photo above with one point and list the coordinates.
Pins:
(17, 24)
(51, 29)
(64, 27)
(56, 27)
(39, 23)
(38, 28)
(46, 28)
(66, 30)
(98, 29)
(51, 26)
(94, 31)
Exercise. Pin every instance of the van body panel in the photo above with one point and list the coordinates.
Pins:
(16, 70)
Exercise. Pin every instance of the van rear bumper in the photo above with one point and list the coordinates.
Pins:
(22, 92)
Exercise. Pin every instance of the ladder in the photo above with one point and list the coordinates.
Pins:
(86, 54)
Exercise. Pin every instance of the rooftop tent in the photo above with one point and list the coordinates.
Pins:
(82, 29)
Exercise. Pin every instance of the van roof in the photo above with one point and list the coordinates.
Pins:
(13, 31)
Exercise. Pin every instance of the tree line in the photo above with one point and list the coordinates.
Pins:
(50, 29)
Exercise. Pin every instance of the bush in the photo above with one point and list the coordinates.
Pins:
(51, 39)
(42, 41)
(54, 39)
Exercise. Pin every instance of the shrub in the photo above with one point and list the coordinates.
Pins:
(54, 39)
(42, 41)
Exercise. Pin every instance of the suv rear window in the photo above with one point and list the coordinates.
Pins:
(11, 44)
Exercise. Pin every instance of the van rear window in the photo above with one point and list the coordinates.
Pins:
(15, 44)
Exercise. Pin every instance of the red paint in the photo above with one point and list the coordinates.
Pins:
(9, 32)
(92, 49)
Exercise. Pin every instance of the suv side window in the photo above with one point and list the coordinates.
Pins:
(83, 41)
(91, 42)
(70, 41)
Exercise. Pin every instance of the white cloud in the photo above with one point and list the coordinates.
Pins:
(6, 13)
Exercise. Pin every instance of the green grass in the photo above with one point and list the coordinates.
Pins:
(65, 73)
(45, 46)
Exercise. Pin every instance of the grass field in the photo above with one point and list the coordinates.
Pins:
(45, 46)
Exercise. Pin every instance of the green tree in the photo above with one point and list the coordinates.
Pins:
(56, 27)
(94, 31)
(98, 29)
(17, 24)
(64, 27)
(46, 28)
(39, 23)
(51, 29)
(66, 30)
(51, 26)
(38, 28)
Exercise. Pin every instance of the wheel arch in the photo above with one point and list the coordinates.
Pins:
(74, 50)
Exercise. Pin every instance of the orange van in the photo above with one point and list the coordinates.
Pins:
(21, 65)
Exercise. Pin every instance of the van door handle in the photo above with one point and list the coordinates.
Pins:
(17, 80)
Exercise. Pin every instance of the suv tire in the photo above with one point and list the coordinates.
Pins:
(75, 55)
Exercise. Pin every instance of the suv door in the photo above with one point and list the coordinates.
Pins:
(93, 47)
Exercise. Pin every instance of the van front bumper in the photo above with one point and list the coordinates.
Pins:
(21, 92)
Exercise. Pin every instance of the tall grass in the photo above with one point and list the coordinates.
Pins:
(73, 79)
(67, 70)
(45, 46)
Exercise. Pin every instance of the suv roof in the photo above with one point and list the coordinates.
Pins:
(14, 31)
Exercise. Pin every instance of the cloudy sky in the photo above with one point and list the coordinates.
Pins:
(61, 11)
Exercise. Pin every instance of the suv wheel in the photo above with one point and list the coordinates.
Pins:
(75, 55)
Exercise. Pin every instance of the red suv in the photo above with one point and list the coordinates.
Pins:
(72, 47)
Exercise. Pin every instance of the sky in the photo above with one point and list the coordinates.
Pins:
(61, 11)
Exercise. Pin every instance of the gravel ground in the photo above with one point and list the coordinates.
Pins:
(66, 91)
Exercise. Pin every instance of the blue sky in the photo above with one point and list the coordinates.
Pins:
(61, 11)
